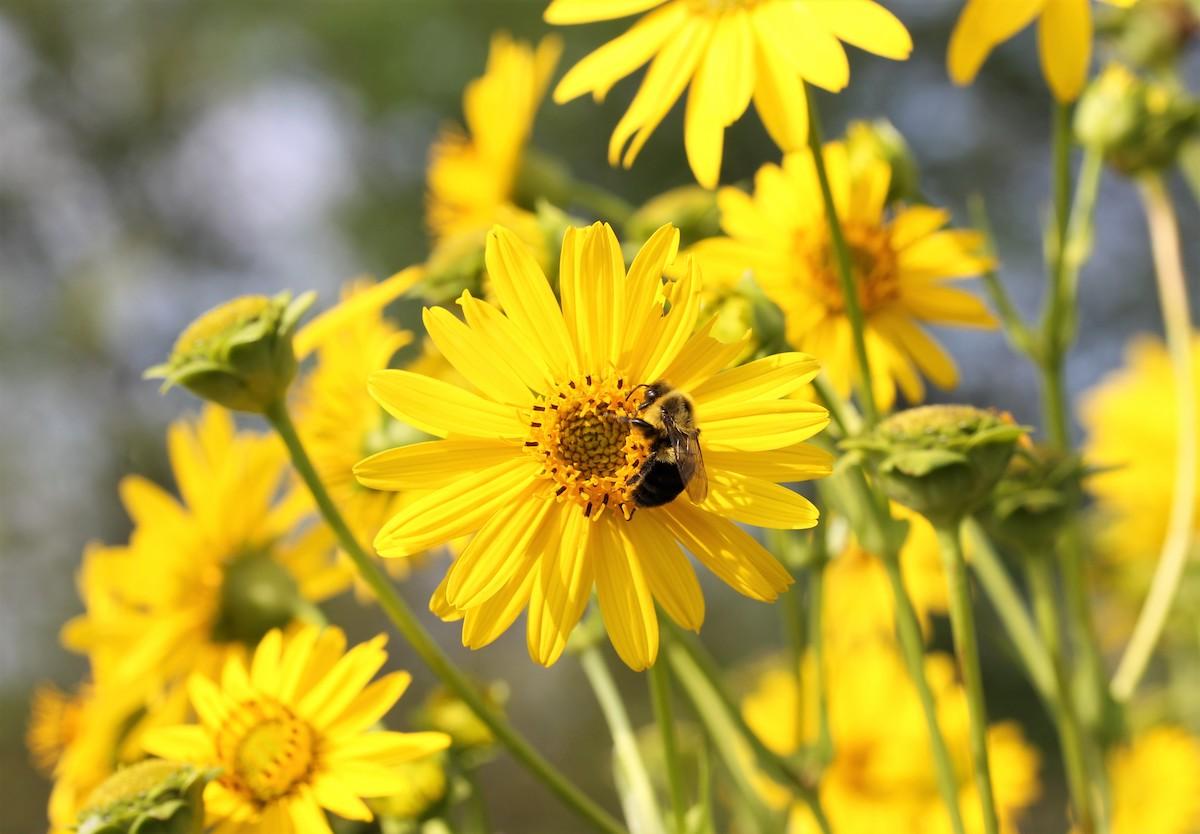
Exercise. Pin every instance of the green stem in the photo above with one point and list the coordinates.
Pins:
(962, 622)
(664, 716)
(841, 412)
(411, 629)
(845, 270)
(1015, 329)
(1164, 588)
(637, 791)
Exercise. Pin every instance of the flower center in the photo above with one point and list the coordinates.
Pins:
(218, 321)
(872, 262)
(589, 449)
(266, 751)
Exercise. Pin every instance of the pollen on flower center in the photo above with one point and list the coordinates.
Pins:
(590, 451)
(872, 262)
(266, 751)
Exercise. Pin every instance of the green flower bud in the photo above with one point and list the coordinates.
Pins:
(879, 139)
(425, 787)
(940, 460)
(445, 712)
(150, 797)
(1035, 498)
(1150, 33)
(689, 208)
(1139, 126)
(257, 595)
(239, 354)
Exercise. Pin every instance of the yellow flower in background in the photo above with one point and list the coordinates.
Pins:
(882, 775)
(212, 570)
(731, 52)
(858, 603)
(1064, 38)
(901, 263)
(1156, 784)
(292, 734)
(472, 176)
(1132, 435)
(542, 462)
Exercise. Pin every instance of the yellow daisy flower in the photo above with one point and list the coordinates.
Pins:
(1132, 428)
(901, 262)
(472, 176)
(731, 52)
(543, 462)
(212, 571)
(291, 734)
(1064, 38)
(1156, 784)
(882, 775)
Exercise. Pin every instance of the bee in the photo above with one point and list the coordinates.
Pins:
(667, 418)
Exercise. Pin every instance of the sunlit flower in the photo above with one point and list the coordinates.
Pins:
(1156, 784)
(1132, 427)
(1064, 38)
(901, 262)
(292, 734)
(542, 462)
(731, 52)
(882, 776)
(473, 176)
(214, 569)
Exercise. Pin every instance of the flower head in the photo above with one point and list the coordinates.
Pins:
(291, 734)
(1064, 38)
(901, 265)
(543, 461)
(731, 52)
(150, 797)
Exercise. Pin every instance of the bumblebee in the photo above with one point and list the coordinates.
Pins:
(667, 418)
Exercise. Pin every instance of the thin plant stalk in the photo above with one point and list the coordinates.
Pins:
(411, 629)
(664, 715)
(1164, 588)
(966, 647)
(816, 645)
(637, 791)
(845, 270)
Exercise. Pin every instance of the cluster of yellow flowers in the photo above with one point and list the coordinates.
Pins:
(574, 425)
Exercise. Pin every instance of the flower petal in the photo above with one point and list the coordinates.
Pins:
(759, 426)
(667, 571)
(496, 553)
(982, 25)
(761, 503)
(779, 98)
(771, 377)
(565, 12)
(865, 24)
(469, 354)
(626, 603)
(562, 586)
(432, 464)
(1065, 46)
(441, 408)
(505, 340)
(801, 462)
(601, 69)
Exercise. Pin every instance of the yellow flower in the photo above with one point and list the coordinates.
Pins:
(472, 177)
(1064, 38)
(731, 52)
(901, 264)
(291, 733)
(1156, 784)
(212, 571)
(542, 463)
(882, 776)
(1132, 426)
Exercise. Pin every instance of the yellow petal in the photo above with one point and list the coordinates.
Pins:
(667, 339)
(564, 12)
(759, 426)
(953, 253)
(727, 551)
(942, 305)
(753, 501)
(386, 748)
(771, 377)
(804, 43)
(484, 624)
(1065, 46)
(865, 24)
(643, 294)
(324, 703)
(365, 303)
(371, 705)
(562, 586)
(188, 743)
(719, 95)
(982, 25)
(468, 352)
(523, 292)
(500, 550)
(701, 357)
(929, 356)
(332, 792)
(626, 603)
(667, 571)
(916, 222)
(592, 283)
(801, 462)
(441, 408)
(265, 665)
(505, 340)
(779, 98)
(432, 464)
(600, 70)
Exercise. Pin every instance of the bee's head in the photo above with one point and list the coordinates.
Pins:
(651, 393)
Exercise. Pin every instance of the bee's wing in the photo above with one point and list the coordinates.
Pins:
(690, 462)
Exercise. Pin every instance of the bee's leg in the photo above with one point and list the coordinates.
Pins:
(638, 422)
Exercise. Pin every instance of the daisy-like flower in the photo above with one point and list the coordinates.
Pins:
(473, 176)
(1133, 438)
(882, 776)
(210, 571)
(542, 462)
(901, 262)
(1156, 783)
(1064, 38)
(291, 734)
(731, 52)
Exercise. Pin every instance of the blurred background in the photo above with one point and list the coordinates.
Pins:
(157, 158)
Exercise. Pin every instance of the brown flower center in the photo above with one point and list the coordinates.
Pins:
(266, 751)
(872, 263)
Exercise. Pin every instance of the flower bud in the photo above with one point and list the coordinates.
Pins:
(257, 595)
(1035, 498)
(879, 139)
(447, 713)
(940, 460)
(239, 354)
(689, 208)
(425, 787)
(1139, 126)
(1151, 33)
(150, 797)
